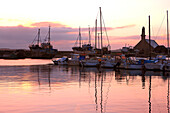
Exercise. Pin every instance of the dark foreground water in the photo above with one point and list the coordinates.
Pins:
(26, 87)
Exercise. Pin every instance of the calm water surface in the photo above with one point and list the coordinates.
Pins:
(28, 86)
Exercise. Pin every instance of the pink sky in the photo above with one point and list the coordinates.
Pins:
(20, 20)
(19, 37)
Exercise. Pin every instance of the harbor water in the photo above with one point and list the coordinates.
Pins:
(31, 86)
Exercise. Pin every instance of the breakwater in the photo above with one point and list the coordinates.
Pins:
(23, 53)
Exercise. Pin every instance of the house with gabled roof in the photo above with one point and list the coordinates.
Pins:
(143, 45)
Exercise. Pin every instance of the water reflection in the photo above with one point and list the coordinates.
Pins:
(168, 96)
(100, 76)
(102, 90)
(150, 94)
(43, 73)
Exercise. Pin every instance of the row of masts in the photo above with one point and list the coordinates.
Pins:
(98, 36)
(167, 36)
(39, 38)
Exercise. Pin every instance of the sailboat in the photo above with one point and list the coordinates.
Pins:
(103, 49)
(96, 61)
(85, 48)
(157, 64)
(167, 64)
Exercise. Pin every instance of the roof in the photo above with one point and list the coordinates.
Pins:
(153, 43)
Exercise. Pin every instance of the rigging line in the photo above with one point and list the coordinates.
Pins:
(97, 14)
(153, 33)
(105, 30)
(76, 41)
(40, 39)
(93, 29)
(46, 37)
(34, 38)
(160, 26)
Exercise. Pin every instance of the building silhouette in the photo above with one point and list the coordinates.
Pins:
(143, 45)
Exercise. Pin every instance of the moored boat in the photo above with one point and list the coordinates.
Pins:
(156, 64)
(108, 62)
(91, 62)
(75, 60)
(42, 50)
(61, 61)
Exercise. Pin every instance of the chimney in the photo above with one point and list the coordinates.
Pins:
(143, 33)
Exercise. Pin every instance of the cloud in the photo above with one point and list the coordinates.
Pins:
(62, 37)
(133, 37)
(45, 24)
(123, 27)
(20, 37)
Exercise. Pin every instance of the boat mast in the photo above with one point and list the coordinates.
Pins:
(89, 36)
(96, 34)
(101, 27)
(168, 34)
(149, 40)
(79, 37)
(38, 41)
(49, 35)
(98, 41)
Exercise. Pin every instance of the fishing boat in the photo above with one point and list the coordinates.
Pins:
(42, 50)
(36, 46)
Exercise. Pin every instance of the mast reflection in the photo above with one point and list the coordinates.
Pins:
(168, 96)
(143, 81)
(149, 94)
(43, 72)
(101, 103)
(99, 76)
(96, 91)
